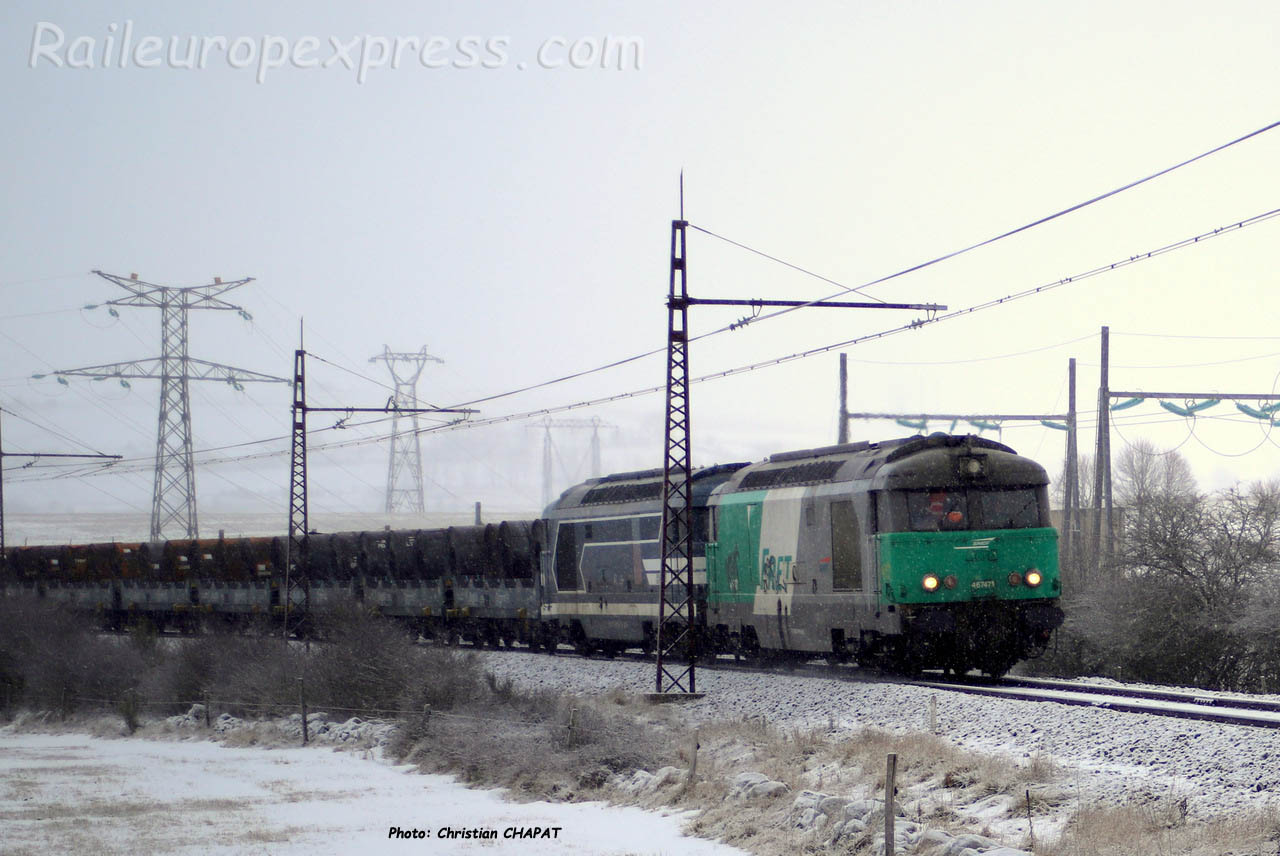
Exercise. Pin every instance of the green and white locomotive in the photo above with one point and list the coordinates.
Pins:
(924, 552)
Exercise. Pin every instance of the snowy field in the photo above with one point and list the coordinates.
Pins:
(1105, 757)
(73, 793)
(77, 794)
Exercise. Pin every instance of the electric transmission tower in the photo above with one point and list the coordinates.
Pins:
(173, 501)
(594, 423)
(404, 468)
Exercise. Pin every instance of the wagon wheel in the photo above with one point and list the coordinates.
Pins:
(996, 664)
(746, 647)
(957, 665)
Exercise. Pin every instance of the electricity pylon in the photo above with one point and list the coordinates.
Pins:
(678, 626)
(173, 499)
(404, 468)
(594, 423)
(297, 559)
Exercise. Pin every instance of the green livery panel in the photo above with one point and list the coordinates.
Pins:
(981, 561)
(733, 560)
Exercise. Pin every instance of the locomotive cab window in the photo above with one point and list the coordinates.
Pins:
(958, 508)
(1013, 508)
(938, 510)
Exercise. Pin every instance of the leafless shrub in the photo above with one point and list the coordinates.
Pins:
(538, 744)
(50, 661)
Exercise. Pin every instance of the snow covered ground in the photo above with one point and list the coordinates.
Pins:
(82, 794)
(1105, 756)
(77, 794)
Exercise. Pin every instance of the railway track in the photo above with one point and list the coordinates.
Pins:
(1206, 706)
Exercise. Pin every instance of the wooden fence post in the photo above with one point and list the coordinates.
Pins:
(890, 787)
(302, 702)
(693, 762)
(1031, 831)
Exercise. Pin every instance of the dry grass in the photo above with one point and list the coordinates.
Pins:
(936, 782)
(540, 745)
(1161, 828)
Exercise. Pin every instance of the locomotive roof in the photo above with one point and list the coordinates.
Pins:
(903, 462)
(640, 486)
(916, 461)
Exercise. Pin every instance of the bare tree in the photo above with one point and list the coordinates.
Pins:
(1190, 598)
(1143, 473)
(1084, 473)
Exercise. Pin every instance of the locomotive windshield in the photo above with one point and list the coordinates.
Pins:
(959, 508)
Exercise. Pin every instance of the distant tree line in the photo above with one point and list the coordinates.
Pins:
(1189, 595)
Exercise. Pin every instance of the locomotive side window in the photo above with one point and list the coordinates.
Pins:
(610, 555)
(649, 527)
(701, 525)
(566, 558)
(846, 558)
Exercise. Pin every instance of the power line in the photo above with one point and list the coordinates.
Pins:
(1046, 219)
(844, 289)
(475, 423)
(913, 325)
(546, 411)
(1162, 366)
(999, 301)
(975, 359)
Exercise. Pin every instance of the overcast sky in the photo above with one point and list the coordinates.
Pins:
(512, 213)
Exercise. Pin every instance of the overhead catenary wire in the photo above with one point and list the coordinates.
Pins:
(913, 325)
(986, 359)
(1011, 232)
(845, 289)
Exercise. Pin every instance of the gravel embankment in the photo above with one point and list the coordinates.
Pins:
(1108, 756)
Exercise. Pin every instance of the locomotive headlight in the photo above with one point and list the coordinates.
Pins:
(930, 582)
(1034, 578)
(971, 467)
(950, 581)
(1015, 579)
